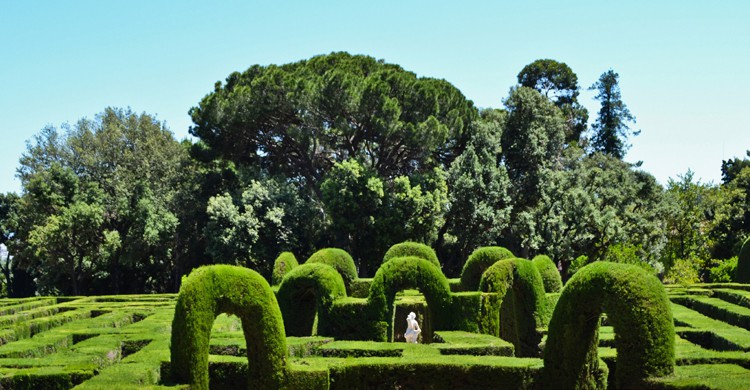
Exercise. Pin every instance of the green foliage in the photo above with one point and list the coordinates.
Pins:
(550, 274)
(637, 307)
(212, 290)
(352, 319)
(409, 248)
(410, 272)
(520, 289)
(478, 262)
(742, 273)
(611, 129)
(281, 266)
(723, 272)
(683, 271)
(306, 291)
(340, 260)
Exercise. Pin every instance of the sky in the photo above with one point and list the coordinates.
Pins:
(683, 66)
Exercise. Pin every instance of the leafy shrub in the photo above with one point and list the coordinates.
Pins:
(520, 290)
(723, 271)
(683, 271)
(550, 274)
(211, 290)
(306, 290)
(742, 273)
(338, 259)
(637, 306)
(408, 248)
(478, 262)
(281, 266)
(410, 272)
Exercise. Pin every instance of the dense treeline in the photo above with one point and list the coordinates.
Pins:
(351, 152)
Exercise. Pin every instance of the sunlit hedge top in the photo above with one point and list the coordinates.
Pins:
(282, 265)
(338, 259)
(550, 274)
(409, 248)
(478, 262)
(742, 273)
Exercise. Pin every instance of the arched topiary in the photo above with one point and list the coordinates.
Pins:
(282, 265)
(519, 287)
(338, 259)
(210, 291)
(306, 290)
(550, 274)
(410, 272)
(408, 248)
(479, 260)
(742, 272)
(637, 307)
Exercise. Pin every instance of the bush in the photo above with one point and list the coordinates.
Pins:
(478, 262)
(723, 272)
(637, 307)
(338, 259)
(410, 272)
(281, 266)
(523, 309)
(550, 274)
(409, 248)
(211, 290)
(742, 273)
(308, 290)
(683, 271)
(352, 319)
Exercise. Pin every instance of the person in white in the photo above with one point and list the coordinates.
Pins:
(412, 328)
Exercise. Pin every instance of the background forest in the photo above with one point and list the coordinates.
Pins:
(348, 151)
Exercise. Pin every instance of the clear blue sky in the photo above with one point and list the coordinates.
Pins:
(683, 65)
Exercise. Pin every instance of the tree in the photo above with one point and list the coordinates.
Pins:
(300, 119)
(8, 203)
(556, 81)
(731, 168)
(611, 130)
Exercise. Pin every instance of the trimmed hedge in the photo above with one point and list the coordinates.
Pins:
(637, 307)
(306, 290)
(215, 289)
(409, 248)
(352, 319)
(410, 272)
(281, 266)
(338, 259)
(550, 274)
(478, 262)
(523, 309)
(742, 272)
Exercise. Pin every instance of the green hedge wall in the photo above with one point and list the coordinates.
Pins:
(410, 272)
(338, 259)
(520, 290)
(742, 272)
(352, 319)
(211, 290)
(409, 248)
(478, 262)
(281, 266)
(550, 274)
(306, 290)
(637, 307)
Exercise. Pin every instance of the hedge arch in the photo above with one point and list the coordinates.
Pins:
(281, 266)
(307, 290)
(409, 248)
(520, 291)
(550, 274)
(478, 262)
(338, 259)
(215, 289)
(410, 272)
(638, 308)
(742, 273)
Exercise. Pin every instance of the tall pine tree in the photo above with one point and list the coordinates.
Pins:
(611, 130)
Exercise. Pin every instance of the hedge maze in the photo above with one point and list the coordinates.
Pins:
(610, 326)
